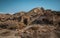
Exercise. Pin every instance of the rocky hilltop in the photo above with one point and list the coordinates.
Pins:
(37, 23)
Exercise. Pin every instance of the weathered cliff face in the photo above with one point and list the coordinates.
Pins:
(37, 23)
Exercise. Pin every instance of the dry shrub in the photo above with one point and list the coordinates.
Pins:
(38, 31)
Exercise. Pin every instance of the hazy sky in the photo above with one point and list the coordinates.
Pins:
(13, 6)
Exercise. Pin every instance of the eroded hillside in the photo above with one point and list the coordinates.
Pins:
(37, 23)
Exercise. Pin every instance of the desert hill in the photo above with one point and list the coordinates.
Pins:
(37, 23)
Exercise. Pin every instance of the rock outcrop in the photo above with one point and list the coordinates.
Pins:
(37, 23)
